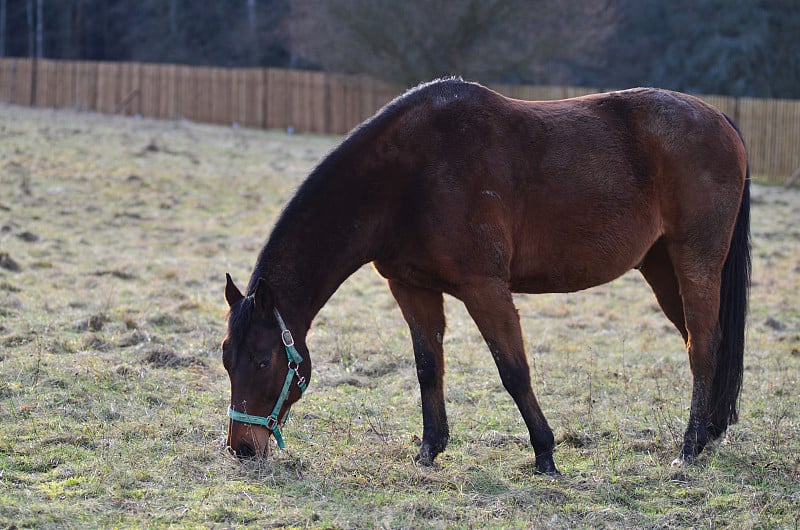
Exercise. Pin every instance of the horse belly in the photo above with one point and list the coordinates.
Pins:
(567, 258)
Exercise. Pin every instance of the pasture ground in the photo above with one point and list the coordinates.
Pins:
(115, 235)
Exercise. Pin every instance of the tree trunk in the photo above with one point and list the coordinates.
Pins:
(2, 28)
(173, 18)
(31, 51)
(39, 29)
(251, 27)
(75, 31)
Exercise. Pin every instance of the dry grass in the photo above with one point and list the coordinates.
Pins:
(115, 235)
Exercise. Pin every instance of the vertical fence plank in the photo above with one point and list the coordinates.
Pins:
(218, 97)
(6, 76)
(22, 83)
(255, 82)
(752, 121)
(238, 97)
(277, 117)
(337, 86)
(352, 102)
(108, 87)
(184, 93)
(202, 110)
(85, 96)
(130, 95)
(248, 99)
(319, 95)
(46, 83)
(768, 116)
(789, 146)
(294, 93)
(166, 102)
(149, 90)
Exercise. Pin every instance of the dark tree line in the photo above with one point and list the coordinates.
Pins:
(212, 32)
(736, 47)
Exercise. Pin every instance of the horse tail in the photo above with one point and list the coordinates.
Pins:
(732, 318)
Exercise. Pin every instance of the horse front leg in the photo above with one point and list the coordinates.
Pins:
(491, 306)
(423, 310)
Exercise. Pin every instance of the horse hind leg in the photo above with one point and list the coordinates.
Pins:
(700, 332)
(423, 310)
(701, 308)
(491, 306)
(657, 270)
(706, 299)
(712, 269)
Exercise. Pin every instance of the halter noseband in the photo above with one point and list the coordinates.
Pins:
(271, 421)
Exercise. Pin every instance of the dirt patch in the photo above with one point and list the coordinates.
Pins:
(95, 342)
(352, 380)
(28, 237)
(13, 341)
(93, 323)
(163, 357)
(117, 273)
(378, 367)
(775, 324)
(133, 338)
(8, 263)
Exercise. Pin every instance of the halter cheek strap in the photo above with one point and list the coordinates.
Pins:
(294, 359)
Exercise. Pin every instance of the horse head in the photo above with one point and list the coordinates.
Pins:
(266, 371)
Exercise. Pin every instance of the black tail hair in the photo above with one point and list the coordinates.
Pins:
(732, 319)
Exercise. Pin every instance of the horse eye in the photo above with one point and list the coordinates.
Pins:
(262, 364)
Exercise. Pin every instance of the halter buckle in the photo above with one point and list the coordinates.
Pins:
(286, 338)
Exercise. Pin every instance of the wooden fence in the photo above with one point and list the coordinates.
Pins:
(317, 101)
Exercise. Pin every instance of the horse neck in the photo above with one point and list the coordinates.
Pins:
(315, 246)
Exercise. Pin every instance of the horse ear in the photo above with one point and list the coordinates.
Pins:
(232, 293)
(263, 298)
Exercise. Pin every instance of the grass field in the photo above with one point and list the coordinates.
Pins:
(115, 236)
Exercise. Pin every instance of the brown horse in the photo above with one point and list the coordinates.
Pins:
(453, 188)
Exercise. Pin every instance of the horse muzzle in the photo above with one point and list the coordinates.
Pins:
(248, 441)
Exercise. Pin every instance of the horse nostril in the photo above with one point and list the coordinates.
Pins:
(245, 450)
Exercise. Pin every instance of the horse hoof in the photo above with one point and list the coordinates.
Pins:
(427, 462)
(684, 460)
(553, 473)
(547, 467)
(424, 458)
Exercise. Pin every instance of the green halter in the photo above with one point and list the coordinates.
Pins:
(271, 421)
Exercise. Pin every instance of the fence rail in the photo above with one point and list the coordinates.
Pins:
(317, 101)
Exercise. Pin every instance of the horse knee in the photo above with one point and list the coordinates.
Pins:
(427, 376)
(430, 367)
(516, 380)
